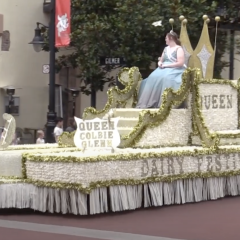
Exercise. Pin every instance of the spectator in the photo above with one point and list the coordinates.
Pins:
(40, 137)
(15, 140)
(58, 130)
(71, 127)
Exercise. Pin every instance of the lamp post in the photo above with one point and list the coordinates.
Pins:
(75, 93)
(37, 43)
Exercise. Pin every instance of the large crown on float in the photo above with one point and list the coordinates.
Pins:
(203, 55)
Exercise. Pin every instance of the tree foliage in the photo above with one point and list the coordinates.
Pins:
(123, 28)
(112, 29)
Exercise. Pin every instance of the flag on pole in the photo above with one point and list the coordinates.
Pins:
(62, 23)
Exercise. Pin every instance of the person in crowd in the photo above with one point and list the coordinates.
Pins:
(40, 137)
(168, 74)
(58, 130)
(71, 127)
(15, 140)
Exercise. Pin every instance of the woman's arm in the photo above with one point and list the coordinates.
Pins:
(160, 59)
(180, 60)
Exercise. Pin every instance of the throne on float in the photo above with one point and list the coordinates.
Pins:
(211, 114)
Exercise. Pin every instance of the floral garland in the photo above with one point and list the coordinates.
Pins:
(30, 147)
(199, 126)
(150, 120)
(108, 183)
(66, 139)
(123, 157)
(209, 139)
(191, 81)
(115, 95)
(37, 157)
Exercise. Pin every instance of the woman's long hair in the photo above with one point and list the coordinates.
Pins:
(173, 36)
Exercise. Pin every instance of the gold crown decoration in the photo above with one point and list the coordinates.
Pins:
(203, 55)
(185, 41)
(171, 21)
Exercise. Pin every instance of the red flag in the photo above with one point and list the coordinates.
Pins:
(62, 23)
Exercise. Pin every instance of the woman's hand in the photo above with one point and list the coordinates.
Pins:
(160, 64)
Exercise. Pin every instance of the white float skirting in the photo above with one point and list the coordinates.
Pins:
(116, 198)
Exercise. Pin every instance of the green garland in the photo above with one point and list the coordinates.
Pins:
(11, 178)
(147, 119)
(128, 156)
(121, 157)
(66, 139)
(218, 81)
(115, 95)
(199, 126)
(191, 81)
(27, 156)
(229, 135)
(108, 183)
(21, 147)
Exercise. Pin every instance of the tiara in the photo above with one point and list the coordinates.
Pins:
(172, 33)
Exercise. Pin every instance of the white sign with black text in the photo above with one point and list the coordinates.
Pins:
(97, 133)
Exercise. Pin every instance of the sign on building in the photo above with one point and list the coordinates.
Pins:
(46, 69)
(112, 61)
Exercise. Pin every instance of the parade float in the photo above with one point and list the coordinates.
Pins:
(122, 158)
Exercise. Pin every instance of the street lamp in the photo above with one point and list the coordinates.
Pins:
(38, 39)
(37, 43)
(75, 93)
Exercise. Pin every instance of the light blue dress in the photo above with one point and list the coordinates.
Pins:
(152, 88)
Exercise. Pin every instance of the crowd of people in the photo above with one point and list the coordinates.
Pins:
(58, 130)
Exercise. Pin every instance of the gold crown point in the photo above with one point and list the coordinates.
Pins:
(194, 60)
(181, 18)
(171, 20)
(217, 19)
(205, 17)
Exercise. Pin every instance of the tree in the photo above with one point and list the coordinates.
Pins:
(114, 29)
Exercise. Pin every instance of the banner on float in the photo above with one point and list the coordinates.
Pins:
(62, 23)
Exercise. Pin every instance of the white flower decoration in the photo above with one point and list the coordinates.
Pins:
(108, 115)
(158, 23)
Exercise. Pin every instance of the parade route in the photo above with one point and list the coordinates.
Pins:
(212, 220)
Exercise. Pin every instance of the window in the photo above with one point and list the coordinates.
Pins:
(14, 105)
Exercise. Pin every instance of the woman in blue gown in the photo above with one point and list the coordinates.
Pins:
(168, 74)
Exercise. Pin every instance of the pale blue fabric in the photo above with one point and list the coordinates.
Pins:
(151, 89)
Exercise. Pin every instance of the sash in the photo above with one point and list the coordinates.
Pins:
(171, 57)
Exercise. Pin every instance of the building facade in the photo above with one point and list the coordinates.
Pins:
(22, 68)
